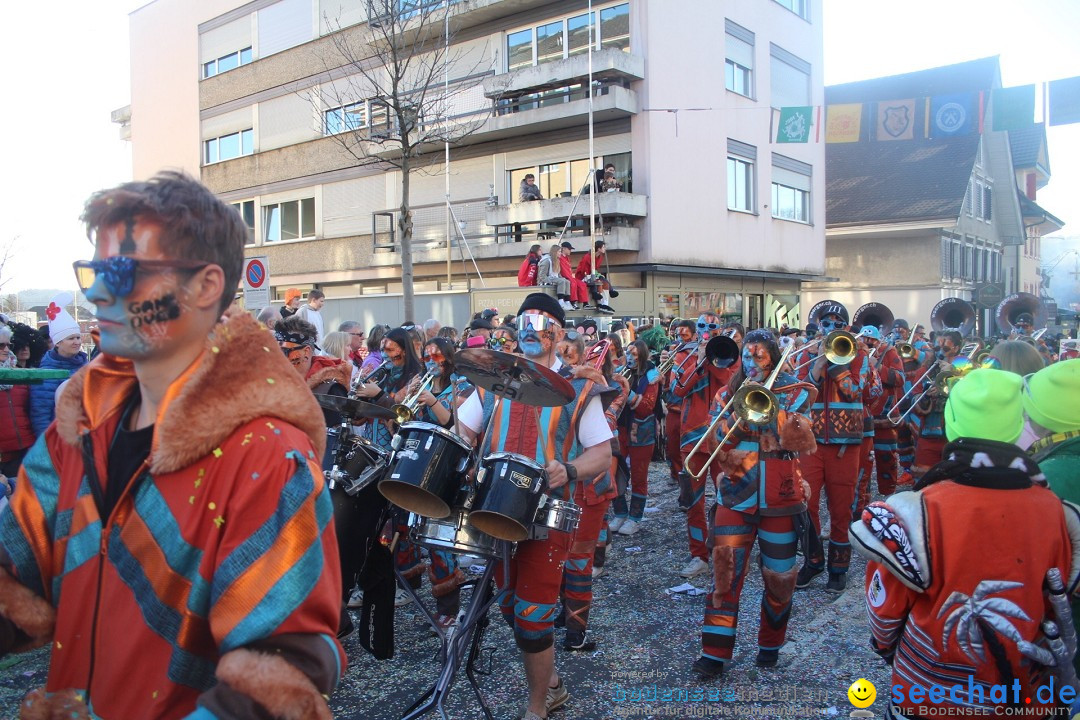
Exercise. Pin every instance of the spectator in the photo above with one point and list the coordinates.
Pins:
(416, 334)
(431, 329)
(269, 317)
(338, 345)
(481, 328)
(1018, 357)
(450, 333)
(579, 293)
(292, 303)
(528, 272)
(312, 312)
(527, 190)
(598, 178)
(28, 346)
(16, 434)
(357, 349)
(375, 355)
(610, 184)
(548, 273)
(66, 354)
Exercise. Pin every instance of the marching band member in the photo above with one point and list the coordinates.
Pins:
(698, 385)
(645, 384)
(931, 411)
(871, 392)
(572, 441)
(889, 368)
(837, 418)
(682, 333)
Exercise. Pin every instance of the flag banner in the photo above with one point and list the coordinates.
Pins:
(953, 115)
(1065, 101)
(795, 123)
(1013, 108)
(843, 123)
(896, 120)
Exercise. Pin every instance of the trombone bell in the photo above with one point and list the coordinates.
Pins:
(840, 348)
(756, 405)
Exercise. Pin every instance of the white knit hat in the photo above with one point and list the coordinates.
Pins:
(61, 324)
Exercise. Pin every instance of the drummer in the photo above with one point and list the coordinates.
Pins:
(577, 445)
(438, 406)
(327, 376)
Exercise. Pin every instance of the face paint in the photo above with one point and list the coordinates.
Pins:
(433, 367)
(756, 362)
(127, 246)
(157, 310)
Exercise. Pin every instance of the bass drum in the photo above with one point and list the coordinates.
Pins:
(509, 489)
(426, 470)
(455, 534)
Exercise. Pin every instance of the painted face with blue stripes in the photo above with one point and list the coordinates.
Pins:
(756, 361)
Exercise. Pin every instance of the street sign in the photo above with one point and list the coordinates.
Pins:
(988, 295)
(256, 283)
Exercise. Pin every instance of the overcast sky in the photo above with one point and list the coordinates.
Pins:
(61, 144)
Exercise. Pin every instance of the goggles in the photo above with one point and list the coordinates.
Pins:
(498, 343)
(830, 324)
(703, 326)
(536, 323)
(119, 271)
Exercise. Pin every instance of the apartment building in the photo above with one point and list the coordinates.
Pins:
(711, 215)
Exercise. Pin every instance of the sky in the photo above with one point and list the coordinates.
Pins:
(62, 146)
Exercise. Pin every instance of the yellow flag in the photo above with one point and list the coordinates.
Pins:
(843, 123)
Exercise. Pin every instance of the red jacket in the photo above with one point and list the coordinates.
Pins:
(15, 430)
(891, 372)
(584, 267)
(219, 561)
(564, 267)
(527, 271)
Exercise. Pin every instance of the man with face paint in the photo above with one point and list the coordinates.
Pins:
(188, 570)
(682, 333)
(760, 496)
(837, 419)
(572, 442)
(697, 383)
(872, 391)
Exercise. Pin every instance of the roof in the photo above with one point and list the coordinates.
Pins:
(1031, 209)
(982, 74)
(899, 181)
(1025, 145)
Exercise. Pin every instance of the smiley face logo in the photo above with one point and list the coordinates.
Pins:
(862, 693)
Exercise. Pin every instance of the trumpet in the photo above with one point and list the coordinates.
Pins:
(754, 404)
(370, 376)
(840, 348)
(665, 366)
(405, 410)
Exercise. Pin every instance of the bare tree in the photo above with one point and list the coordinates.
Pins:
(388, 102)
(7, 251)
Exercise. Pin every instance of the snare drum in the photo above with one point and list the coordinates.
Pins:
(509, 489)
(561, 515)
(426, 469)
(456, 535)
(361, 463)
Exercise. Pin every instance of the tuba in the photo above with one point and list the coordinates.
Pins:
(1009, 310)
(953, 314)
(872, 313)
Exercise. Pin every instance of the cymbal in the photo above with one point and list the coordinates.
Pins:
(353, 408)
(514, 376)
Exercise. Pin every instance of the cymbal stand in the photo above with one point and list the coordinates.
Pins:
(462, 645)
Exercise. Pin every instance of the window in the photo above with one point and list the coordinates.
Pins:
(568, 36)
(740, 176)
(569, 177)
(790, 189)
(346, 117)
(228, 146)
(227, 62)
(739, 59)
(969, 263)
(955, 269)
(790, 78)
(968, 200)
(987, 202)
(799, 7)
(291, 220)
(246, 208)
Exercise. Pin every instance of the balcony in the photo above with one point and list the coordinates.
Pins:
(607, 64)
(618, 238)
(615, 207)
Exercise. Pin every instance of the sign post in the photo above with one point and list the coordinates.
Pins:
(256, 283)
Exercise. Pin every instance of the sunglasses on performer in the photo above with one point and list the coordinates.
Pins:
(119, 271)
(536, 323)
(435, 356)
(707, 326)
(830, 325)
(497, 343)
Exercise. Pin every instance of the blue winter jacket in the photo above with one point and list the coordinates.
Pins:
(43, 396)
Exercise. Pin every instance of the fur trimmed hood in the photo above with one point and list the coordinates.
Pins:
(240, 376)
(326, 369)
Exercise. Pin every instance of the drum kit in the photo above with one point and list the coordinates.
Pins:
(455, 502)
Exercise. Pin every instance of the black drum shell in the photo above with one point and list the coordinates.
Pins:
(426, 470)
(508, 494)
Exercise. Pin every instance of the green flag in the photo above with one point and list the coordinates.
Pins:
(1013, 108)
(794, 125)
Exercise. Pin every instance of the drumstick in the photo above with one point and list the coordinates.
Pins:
(453, 405)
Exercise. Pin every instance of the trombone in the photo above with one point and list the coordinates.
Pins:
(840, 348)
(370, 376)
(916, 401)
(756, 404)
(405, 410)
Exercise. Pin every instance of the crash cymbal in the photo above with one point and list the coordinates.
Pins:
(514, 376)
(353, 408)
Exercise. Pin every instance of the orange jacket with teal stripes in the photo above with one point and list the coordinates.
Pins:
(213, 587)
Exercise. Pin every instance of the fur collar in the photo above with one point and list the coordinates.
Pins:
(240, 376)
(324, 369)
